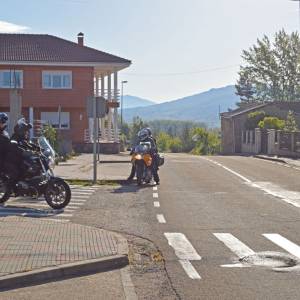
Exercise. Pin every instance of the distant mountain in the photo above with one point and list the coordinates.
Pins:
(132, 102)
(203, 107)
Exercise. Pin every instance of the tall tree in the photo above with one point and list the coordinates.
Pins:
(271, 71)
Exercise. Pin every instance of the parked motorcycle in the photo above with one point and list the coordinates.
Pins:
(38, 180)
(142, 161)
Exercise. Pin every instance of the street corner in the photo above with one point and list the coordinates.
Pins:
(35, 251)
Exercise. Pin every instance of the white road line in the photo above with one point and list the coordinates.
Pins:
(183, 248)
(82, 193)
(189, 269)
(229, 170)
(155, 188)
(284, 243)
(161, 219)
(185, 252)
(80, 197)
(156, 204)
(77, 200)
(234, 244)
(287, 196)
(155, 195)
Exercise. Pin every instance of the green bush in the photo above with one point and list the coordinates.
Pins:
(175, 145)
(50, 134)
(253, 119)
(271, 123)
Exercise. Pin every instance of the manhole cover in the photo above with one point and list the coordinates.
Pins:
(271, 260)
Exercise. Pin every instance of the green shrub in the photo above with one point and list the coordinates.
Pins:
(253, 119)
(271, 123)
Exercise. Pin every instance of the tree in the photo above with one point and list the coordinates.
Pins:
(271, 71)
(290, 123)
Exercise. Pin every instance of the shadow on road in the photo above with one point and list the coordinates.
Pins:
(130, 187)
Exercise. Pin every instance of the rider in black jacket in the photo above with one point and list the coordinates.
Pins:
(17, 149)
(145, 135)
(4, 140)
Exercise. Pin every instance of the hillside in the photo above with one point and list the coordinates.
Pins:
(202, 107)
(132, 102)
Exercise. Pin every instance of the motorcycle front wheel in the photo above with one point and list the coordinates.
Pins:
(58, 193)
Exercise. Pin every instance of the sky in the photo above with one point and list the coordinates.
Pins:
(177, 47)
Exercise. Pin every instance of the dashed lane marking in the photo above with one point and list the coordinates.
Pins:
(155, 188)
(156, 204)
(185, 252)
(161, 218)
(155, 195)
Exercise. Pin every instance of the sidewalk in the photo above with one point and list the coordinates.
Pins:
(111, 167)
(35, 250)
(285, 160)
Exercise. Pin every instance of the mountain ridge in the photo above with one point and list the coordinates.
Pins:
(201, 107)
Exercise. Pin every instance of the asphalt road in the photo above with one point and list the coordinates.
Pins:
(222, 205)
(216, 228)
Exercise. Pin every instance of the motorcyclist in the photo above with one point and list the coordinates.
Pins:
(18, 147)
(145, 135)
(4, 139)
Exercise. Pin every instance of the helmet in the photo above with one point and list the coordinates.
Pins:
(22, 128)
(143, 134)
(3, 118)
(149, 131)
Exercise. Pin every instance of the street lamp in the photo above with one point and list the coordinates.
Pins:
(123, 82)
(299, 11)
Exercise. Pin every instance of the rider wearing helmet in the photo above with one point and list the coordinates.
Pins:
(145, 135)
(21, 135)
(4, 139)
(19, 146)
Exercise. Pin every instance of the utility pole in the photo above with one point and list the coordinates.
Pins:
(123, 82)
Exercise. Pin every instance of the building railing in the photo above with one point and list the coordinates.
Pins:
(102, 135)
(113, 96)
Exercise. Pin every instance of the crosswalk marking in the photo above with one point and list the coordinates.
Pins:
(234, 244)
(185, 252)
(284, 243)
(30, 207)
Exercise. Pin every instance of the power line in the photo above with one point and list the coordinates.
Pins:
(183, 73)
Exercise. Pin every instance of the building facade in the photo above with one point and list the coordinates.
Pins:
(53, 78)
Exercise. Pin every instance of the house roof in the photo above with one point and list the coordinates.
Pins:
(50, 49)
(242, 110)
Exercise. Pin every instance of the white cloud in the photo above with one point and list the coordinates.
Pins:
(12, 28)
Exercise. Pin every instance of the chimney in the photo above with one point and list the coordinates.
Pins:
(80, 37)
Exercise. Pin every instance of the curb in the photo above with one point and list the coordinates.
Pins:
(270, 158)
(56, 273)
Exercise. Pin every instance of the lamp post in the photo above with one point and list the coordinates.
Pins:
(299, 11)
(123, 82)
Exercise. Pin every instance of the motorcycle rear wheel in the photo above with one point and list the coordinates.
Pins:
(58, 193)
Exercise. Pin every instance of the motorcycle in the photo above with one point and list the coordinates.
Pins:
(37, 180)
(142, 161)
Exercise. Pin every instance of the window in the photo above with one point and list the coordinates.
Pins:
(57, 79)
(52, 118)
(11, 79)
